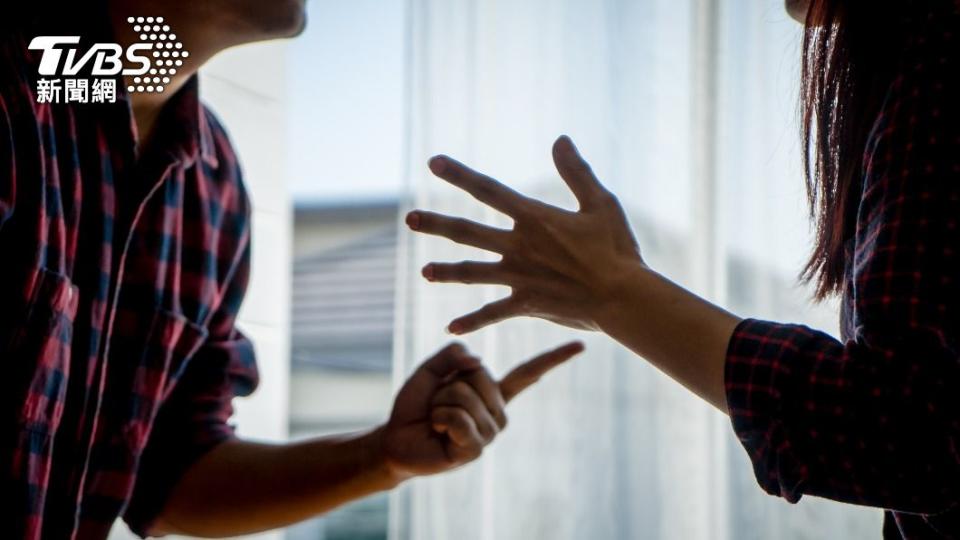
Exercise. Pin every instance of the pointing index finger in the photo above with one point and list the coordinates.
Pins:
(529, 372)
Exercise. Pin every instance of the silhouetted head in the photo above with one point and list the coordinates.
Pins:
(220, 24)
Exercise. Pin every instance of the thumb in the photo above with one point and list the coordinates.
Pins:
(576, 172)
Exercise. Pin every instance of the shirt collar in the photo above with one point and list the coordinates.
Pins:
(183, 129)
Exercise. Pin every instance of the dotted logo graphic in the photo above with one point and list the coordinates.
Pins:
(168, 54)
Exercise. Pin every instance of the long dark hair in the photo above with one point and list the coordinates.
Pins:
(849, 52)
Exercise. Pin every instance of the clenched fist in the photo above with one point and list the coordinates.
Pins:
(451, 408)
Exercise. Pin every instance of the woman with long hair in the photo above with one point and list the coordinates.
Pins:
(873, 419)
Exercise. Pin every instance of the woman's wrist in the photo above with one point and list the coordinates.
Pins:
(682, 334)
(615, 295)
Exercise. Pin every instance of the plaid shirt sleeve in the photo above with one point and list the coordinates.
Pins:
(194, 419)
(7, 188)
(875, 420)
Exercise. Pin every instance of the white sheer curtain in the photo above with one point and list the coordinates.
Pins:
(685, 109)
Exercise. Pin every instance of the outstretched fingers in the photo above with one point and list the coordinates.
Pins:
(491, 313)
(483, 188)
(490, 273)
(461, 231)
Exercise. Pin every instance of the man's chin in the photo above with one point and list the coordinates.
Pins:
(298, 17)
(300, 25)
(288, 19)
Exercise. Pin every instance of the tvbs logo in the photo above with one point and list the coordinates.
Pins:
(148, 65)
(106, 57)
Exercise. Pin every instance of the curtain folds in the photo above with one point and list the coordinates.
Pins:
(685, 108)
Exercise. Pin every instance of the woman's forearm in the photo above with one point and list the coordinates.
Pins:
(680, 333)
(243, 487)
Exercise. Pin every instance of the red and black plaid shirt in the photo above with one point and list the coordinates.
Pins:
(875, 419)
(120, 281)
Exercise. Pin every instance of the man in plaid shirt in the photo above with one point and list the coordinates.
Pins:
(125, 231)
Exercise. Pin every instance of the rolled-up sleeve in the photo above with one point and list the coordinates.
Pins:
(875, 420)
(872, 421)
(194, 419)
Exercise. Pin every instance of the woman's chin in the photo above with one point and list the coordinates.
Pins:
(798, 9)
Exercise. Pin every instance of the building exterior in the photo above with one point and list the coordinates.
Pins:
(344, 274)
